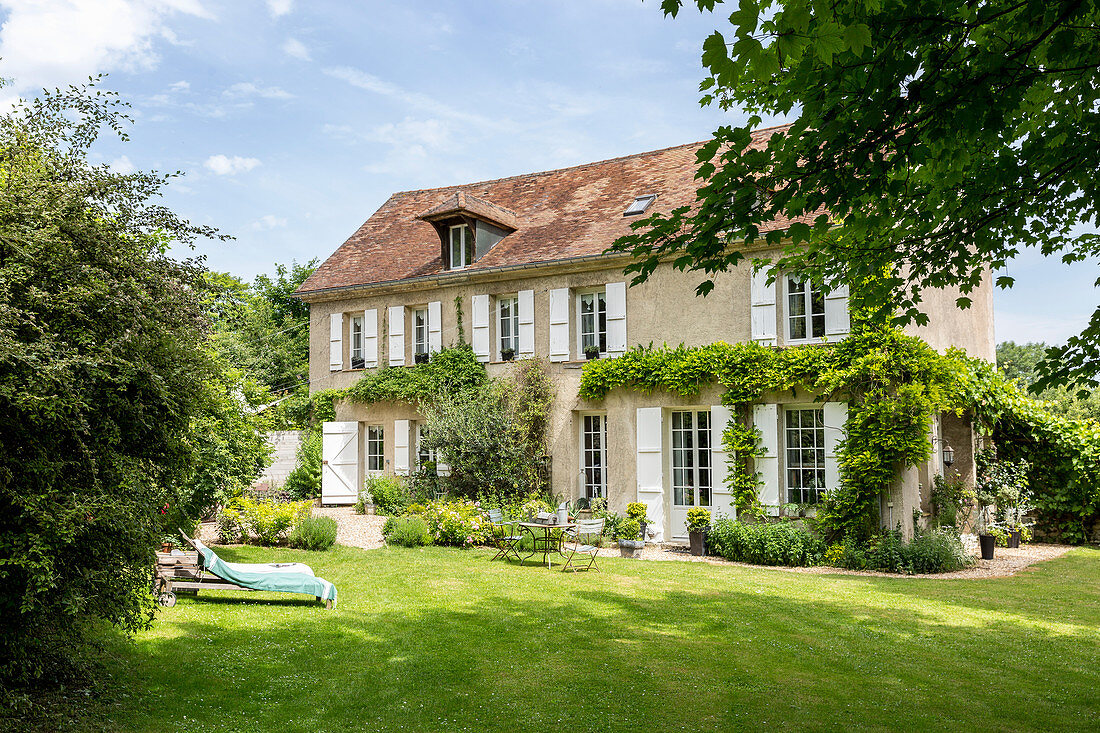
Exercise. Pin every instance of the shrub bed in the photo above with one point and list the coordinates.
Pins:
(935, 551)
(260, 522)
(778, 543)
(313, 533)
(387, 493)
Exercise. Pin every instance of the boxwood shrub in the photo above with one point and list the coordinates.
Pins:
(765, 543)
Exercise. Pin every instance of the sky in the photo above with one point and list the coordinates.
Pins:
(293, 121)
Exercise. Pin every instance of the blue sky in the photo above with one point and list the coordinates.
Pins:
(295, 120)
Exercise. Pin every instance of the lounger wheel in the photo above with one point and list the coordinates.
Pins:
(167, 599)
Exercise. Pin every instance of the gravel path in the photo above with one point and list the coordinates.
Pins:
(365, 531)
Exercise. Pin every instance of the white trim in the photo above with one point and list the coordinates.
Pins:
(762, 308)
(526, 323)
(513, 325)
(721, 500)
(479, 313)
(336, 342)
(559, 324)
(765, 418)
(435, 327)
(584, 453)
(578, 296)
(401, 447)
(463, 264)
(615, 302)
(837, 318)
(650, 465)
(807, 316)
(370, 337)
(396, 317)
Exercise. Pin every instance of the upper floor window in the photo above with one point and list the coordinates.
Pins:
(420, 330)
(805, 310)
(593, 320)
(461, 246)
(508, 325)
(357, 342)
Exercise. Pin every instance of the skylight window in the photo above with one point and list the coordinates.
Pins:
(641, 203)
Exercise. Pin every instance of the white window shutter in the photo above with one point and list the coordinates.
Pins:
(435, 327)
(480, 314)
(401, 447)
(765, 418)
(836, 416)
(526, 323)
(370, 337)
(762, 304)
(837, 321)
(336, 342)
(721, 499)
(650, 466)
(559, 324)
(397, 335)
(615, 298)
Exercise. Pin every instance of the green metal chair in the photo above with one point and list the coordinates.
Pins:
(577, 543)
(504, 537)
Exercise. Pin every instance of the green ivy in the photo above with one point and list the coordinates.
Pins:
(454, 369)
(894, 384)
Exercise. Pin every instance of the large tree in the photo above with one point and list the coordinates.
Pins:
(931, 141)
(112, 405)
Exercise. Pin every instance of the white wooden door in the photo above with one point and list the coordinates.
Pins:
(339, 462)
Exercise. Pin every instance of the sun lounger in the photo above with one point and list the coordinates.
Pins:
(279, 577)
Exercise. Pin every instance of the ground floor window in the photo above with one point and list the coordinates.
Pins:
(691, 469)
(376, 460)
(424, 455)
(594, 455)
(804, 439)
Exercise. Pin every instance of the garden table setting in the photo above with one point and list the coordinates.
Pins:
(541, 529)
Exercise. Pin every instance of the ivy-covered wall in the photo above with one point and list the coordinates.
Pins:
(894, 384)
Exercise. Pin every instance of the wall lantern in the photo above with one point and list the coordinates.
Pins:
(948, 455)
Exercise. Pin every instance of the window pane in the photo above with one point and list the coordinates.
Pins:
(819, 326)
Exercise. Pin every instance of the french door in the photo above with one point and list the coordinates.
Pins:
(594, 456)
(691, 469)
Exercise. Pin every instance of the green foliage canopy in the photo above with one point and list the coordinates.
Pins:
(943, 136)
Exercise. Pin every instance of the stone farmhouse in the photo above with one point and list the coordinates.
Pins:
(524, 259)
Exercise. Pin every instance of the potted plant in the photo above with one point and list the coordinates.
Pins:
(636, 510)
(421, 357)
(630, 547)
(698, 522)
(507, 354)
(591, 352)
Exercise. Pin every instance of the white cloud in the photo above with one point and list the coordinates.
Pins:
(224, 165)
(280, 7)
(248, 89)
(122, 165)
(179, 86)
(297, 49)
(269, 221)
(45, 43)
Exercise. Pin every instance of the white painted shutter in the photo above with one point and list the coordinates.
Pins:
(762, 299)
(435, 327)
(336, 342)
(837, 322)
(765, 418)
(397, 335)
(401, 447)
(526, 323)
(615, 299)
(836, 415)
(559, 324)
(339, 462)
(650, 467)
(721, 498)
(370, 337)
(480, 314)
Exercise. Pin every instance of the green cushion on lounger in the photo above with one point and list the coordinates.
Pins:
(282, 577)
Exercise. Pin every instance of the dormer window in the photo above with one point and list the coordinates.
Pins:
(461, 246)
(641, 203)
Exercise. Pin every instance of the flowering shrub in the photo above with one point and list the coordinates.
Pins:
(458, 523)
(262, 522)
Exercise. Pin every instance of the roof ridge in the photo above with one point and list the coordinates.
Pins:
(574, 167)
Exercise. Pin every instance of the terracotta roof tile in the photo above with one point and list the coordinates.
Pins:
(559, 214)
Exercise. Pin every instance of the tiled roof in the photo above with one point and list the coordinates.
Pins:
(462, 203)
(558, 215)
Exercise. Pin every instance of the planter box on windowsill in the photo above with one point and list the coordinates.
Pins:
(421, 358)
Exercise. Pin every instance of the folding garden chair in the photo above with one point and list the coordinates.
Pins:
(576, 544)
(504, 537)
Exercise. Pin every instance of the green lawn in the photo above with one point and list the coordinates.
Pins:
(442, 639)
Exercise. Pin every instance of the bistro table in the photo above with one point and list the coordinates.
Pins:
(544, 542)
